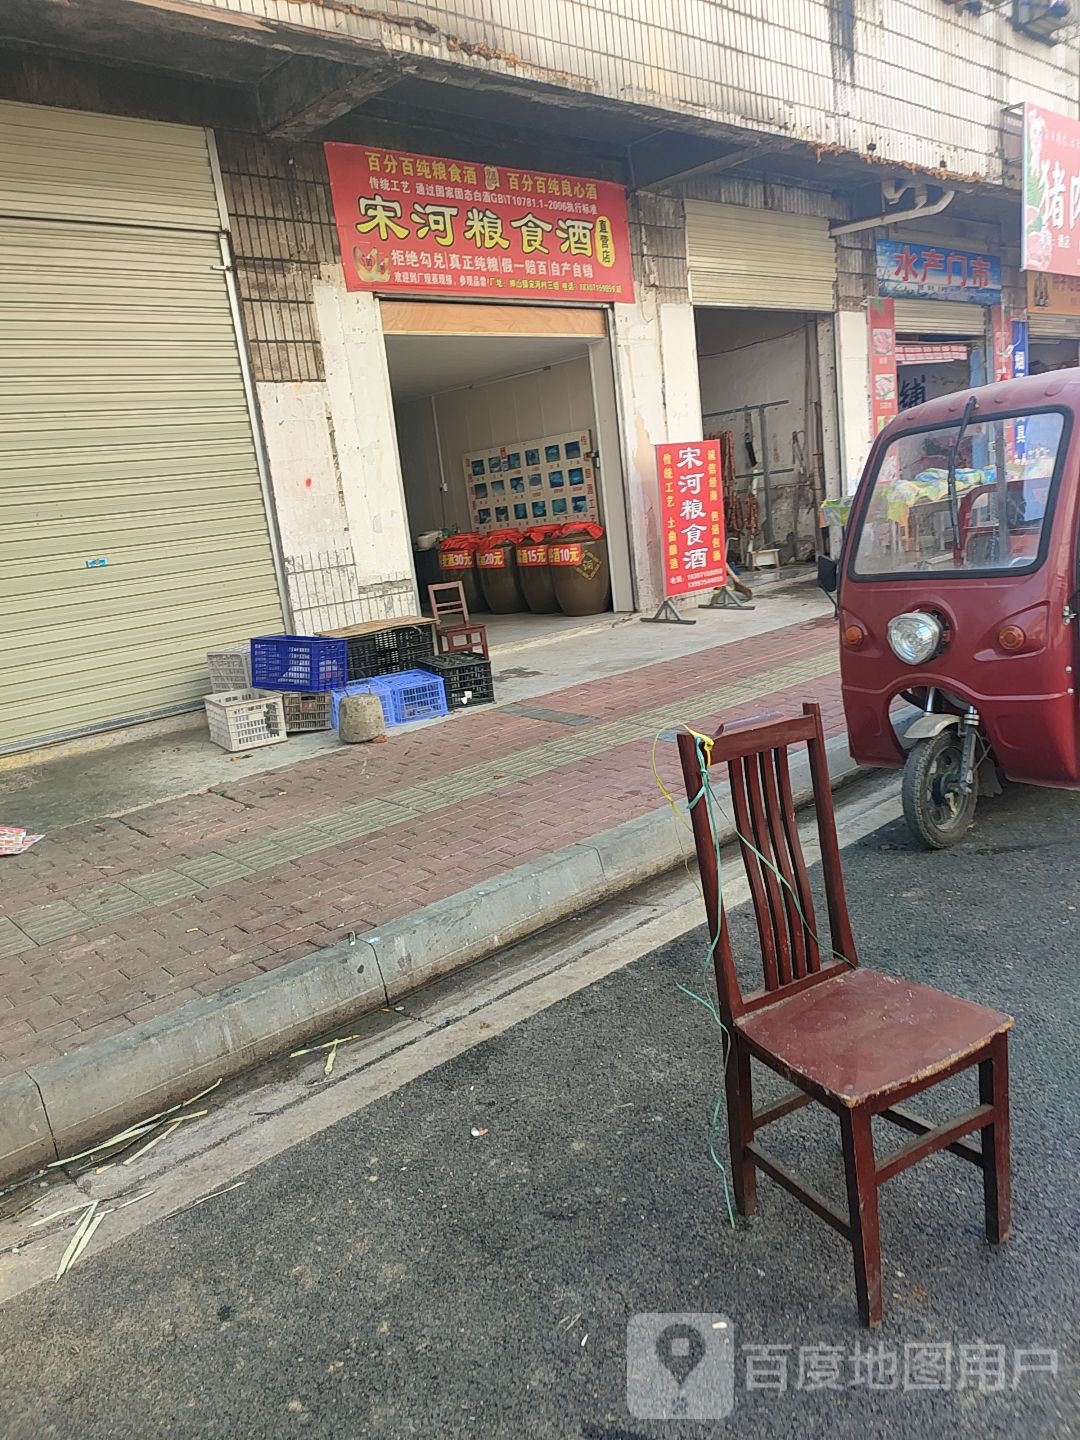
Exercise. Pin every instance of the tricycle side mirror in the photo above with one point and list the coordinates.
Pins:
(827, 573)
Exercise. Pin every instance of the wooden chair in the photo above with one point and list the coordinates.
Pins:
(858, 1042)
(454, 631)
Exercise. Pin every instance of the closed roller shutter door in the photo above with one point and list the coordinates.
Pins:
(939, 317)
(125, 437)
(759, 259)
(1053, 327)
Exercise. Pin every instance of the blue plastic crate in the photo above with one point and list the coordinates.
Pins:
(410, 695)
(298, 662)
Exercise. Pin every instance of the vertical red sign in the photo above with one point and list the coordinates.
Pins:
(884, 400)
(691, 516)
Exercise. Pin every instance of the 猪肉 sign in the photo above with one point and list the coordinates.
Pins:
(906, 271)
(1051, 193)
(409, 223)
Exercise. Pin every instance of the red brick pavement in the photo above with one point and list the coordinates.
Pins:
(99, 981)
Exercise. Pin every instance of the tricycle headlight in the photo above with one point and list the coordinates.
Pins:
(914, 636)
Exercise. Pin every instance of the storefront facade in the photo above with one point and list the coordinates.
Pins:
(762, 280)
(484, 325)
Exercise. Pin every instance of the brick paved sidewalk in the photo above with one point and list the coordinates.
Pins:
(109, 923)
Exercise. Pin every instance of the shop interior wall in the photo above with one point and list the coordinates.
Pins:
(522, 407)
(755, 357)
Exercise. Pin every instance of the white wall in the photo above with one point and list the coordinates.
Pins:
(923, 82)
(334, 473)
(523, 407)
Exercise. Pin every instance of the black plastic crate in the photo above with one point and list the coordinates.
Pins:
(385, 652)
(467, 678)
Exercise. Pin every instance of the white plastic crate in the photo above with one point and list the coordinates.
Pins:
(230, 668)
(245, 719)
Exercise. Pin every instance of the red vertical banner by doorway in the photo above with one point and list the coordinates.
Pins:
(884, 397)
(691, 516)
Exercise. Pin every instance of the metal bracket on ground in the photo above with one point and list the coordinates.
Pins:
(725, 599)
(666, 614)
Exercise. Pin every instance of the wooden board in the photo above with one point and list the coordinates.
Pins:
(443, 317)
(371, 627)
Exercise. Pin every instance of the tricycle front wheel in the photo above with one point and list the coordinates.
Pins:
(937, 813)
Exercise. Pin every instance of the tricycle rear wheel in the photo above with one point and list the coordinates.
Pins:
(937, 814)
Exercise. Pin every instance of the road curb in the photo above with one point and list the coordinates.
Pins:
(63, 1105)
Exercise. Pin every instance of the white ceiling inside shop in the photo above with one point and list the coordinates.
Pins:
(429, 364)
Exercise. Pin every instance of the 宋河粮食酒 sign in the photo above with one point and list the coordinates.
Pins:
(906, 271)
(1051, 193)
(691, 516)
(418, 223)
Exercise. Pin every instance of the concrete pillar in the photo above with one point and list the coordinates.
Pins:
(656, 379)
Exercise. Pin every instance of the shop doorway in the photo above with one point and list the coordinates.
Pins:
(505, 421)
(760, 384)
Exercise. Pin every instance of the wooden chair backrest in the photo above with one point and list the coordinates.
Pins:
(452, 608)
(762, 808)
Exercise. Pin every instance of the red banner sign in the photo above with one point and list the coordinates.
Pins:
(492, 559)
(692, 516)
(419, 223)
(884, 397)
(1051, 198)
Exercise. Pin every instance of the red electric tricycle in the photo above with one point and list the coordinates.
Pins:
(958, 594)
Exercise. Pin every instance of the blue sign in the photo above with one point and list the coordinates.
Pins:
(907, 271)
(1019, 348)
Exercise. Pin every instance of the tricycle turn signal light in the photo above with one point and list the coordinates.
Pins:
(1011, 637)
(854, 635)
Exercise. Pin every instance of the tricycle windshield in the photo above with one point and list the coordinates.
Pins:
(989, 516)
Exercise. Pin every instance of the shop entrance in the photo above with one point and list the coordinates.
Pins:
(505, 419)
(759, 378)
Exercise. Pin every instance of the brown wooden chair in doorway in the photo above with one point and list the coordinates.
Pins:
(454, 631)
(856, 1041)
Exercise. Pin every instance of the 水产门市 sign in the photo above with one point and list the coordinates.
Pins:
(906, 271)
(1051, 194)
(421, 224)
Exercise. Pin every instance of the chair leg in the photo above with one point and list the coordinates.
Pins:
(997, 1183)
(862, 1191)
(740, 1110)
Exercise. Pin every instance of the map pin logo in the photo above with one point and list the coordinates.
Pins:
(680, 1349)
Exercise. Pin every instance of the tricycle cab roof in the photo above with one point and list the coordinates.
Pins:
(1056, 390)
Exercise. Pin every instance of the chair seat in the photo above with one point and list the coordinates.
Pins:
(864, 1034)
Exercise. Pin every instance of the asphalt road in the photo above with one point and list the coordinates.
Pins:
(396, 1275)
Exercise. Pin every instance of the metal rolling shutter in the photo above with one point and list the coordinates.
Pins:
(1053, 327)
(939, 317)
(125, 435)
(759, 259)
